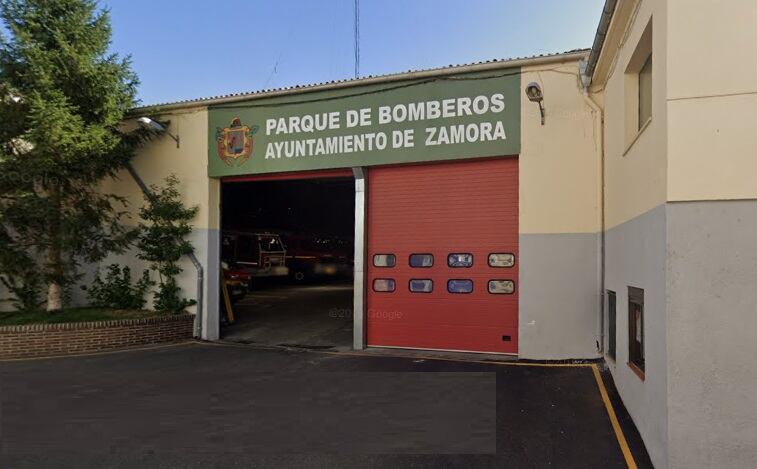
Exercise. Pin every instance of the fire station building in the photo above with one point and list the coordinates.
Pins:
(589, 204)
(467, 209)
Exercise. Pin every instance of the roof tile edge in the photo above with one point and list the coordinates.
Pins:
(371, 79)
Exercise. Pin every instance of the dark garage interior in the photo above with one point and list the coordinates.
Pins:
(287, 254)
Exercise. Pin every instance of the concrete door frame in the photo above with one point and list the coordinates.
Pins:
(359, 174)
(358, 291)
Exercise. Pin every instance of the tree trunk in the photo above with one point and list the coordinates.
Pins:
(54, 256)
(54, 289)
(54, 297)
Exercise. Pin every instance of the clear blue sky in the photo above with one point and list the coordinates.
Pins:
(185, 49)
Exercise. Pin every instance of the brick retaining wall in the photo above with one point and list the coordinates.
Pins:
(39, 340)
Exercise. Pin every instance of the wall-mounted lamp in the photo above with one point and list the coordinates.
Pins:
(533, 91)
(148, 123)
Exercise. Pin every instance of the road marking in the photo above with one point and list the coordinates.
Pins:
(619, 435)
(613, 418)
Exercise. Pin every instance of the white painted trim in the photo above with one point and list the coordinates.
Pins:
(358, 305)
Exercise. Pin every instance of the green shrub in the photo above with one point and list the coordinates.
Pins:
(162, 242)
(116, 290)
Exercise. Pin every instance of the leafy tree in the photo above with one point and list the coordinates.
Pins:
(62, 99)
(163, 241)
(18, 274)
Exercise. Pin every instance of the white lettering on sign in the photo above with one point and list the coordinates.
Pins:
(401, 113)
(462, 133)
(307, 123)
(373, 141)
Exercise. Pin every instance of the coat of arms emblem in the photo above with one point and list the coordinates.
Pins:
(234, 143)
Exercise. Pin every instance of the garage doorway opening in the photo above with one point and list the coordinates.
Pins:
(287, 248)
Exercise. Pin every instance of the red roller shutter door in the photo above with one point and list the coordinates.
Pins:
(441, 209)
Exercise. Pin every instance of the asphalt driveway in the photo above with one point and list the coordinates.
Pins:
(273, 315)
(201, 405)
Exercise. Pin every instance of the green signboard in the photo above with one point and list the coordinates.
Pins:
(441, 118)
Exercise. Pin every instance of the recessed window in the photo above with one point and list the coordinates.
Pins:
(636, 328)
(384, 285)
(460, 260)
(611, 321)
(421, 260)
(645, 92)
(384, 260)
(638, 86)
(423, 285)
(460, 286)
(504, 259)
(501, 287)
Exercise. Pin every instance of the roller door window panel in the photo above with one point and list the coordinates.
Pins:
(384, 285)
(501, 260)
(421, 260)
(460, 260)
(384, 260)
(421, 285)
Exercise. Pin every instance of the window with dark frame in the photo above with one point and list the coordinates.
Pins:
(611, 321)
(636, 328)
(645, 92)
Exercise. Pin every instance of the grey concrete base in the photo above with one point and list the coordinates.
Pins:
(636, 253)
(212, 261)
(697, 264)
(559, 296)
(712, 344)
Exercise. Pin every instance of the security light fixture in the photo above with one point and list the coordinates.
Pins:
(535, 95)
(148, 123)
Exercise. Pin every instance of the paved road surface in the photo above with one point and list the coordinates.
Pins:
(205, 406)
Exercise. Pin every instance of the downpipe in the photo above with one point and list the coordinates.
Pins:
(600, 142)
(192, 257)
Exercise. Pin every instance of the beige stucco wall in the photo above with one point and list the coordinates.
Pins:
(161, 157)
(559, 161)
(635, 171)
(713, 93)
(156, 160)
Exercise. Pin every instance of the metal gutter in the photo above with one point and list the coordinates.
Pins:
(599, 141)
(599, 38)
(383, 79)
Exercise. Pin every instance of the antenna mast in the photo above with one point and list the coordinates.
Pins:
(357, 38)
